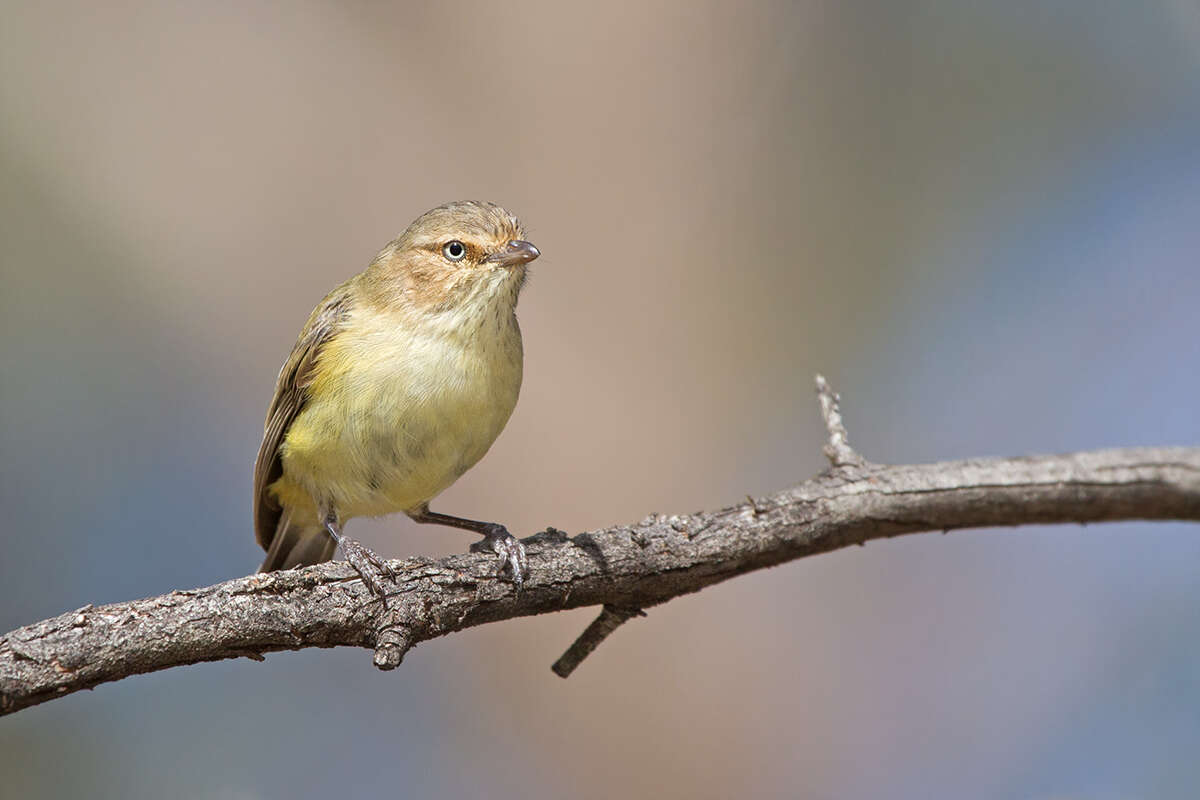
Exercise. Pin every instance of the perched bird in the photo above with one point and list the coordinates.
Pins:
(400, 381)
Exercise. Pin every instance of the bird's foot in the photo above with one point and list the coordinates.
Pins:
(510, 552)
(370, 567)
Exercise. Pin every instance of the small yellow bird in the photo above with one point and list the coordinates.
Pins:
(399, 383)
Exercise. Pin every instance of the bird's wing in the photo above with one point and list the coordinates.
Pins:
(291, 392)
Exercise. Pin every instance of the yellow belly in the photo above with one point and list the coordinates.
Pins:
(394, 417)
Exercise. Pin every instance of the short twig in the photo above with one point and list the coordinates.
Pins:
(609, 620)
(837, 449)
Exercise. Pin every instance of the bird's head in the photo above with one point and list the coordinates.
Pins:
(461, 255)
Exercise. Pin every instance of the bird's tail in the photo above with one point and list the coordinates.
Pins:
(297, 544)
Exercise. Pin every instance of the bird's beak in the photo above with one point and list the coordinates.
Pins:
(517, 252)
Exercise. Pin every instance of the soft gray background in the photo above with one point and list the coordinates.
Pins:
(979, 219)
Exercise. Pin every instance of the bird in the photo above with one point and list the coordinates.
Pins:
(400, 381)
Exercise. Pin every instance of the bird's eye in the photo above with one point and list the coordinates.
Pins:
(454, 250)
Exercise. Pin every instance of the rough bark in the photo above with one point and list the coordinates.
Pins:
(624, 569)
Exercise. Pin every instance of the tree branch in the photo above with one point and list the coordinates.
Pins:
(625, 568)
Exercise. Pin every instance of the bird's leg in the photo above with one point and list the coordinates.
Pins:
(496, 539)
(369, 566)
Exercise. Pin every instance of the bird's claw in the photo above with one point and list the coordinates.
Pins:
(370, 567)
(509, 551)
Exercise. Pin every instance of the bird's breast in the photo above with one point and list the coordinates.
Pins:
(397, 412)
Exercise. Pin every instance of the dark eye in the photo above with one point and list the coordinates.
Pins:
(454, 250)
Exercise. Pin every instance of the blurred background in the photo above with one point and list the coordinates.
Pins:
(980, 220)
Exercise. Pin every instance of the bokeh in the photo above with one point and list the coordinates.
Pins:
(980, 220)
